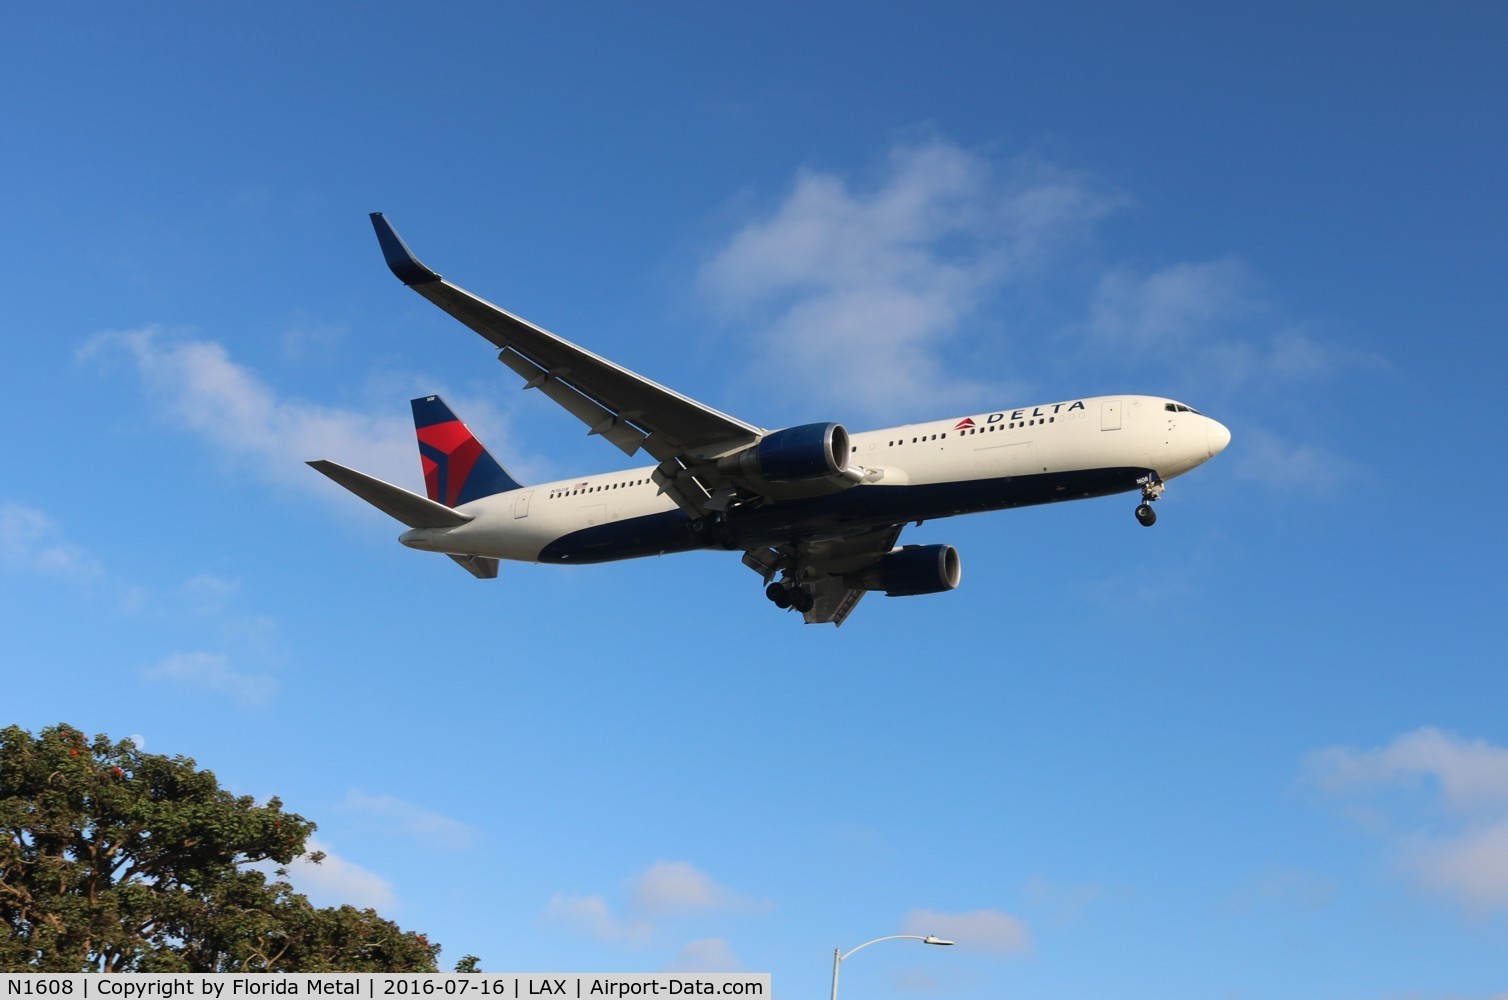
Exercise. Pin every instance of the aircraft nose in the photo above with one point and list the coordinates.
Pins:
(1217, 436)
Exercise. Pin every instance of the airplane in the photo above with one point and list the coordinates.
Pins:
(817, 511)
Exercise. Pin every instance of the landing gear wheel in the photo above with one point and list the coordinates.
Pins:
(801, 600)
(778, 595)
(1146, 515)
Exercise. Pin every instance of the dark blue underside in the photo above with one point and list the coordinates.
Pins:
(860, 507)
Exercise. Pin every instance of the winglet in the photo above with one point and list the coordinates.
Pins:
(399, 257)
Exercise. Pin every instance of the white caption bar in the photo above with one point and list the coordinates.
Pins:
(382, 985)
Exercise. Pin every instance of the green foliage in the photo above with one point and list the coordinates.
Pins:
(469, 963)
(116, 860)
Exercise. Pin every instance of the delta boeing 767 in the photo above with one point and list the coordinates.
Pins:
(815, 510)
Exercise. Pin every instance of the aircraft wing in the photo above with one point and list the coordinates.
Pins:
(629, 410)
(828, 561)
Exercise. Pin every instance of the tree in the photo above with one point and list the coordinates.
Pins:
(117, 860)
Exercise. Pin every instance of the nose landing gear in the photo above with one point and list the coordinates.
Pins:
(1151, 488)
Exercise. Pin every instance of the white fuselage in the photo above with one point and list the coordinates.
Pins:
(988, 461)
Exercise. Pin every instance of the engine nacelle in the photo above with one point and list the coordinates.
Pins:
(811, 451)
(911, 570)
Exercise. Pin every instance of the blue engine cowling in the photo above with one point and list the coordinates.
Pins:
(911, 570)
(811, 451)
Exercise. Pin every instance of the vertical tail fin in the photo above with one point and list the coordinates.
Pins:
(457, 469)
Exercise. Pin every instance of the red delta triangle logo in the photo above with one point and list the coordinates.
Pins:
(964, 424)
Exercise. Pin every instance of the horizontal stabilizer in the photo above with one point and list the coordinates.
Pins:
(395, 501)
(481, 567)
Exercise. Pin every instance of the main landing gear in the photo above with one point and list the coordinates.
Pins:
(787, 595)
(1151, 488)
(788, 592)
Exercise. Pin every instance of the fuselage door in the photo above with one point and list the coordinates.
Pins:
(521, 505)
(1110, 415)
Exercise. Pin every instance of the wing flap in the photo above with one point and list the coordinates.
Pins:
(832, 603)
(615, 427)
(394, 501)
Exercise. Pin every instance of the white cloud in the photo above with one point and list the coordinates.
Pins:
(1173, 308)
(1471, 867)
(335, 881)
(672, 888)
(591, 916)
(209, 593)
(213, 672)
(32, 542)
(1454, 842)
(1212, 321)
(202, 390)
(861, 287)
(706, 955)
(236, 411)
(1288, 888)
(432, 827)
(1062, 902)
(666, 890)
(1295, 354)
(983, 930)
(917, 981)
(308, 338)
(1467, 773)
(1287, 467)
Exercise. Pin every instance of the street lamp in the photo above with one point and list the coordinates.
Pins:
(839, 954)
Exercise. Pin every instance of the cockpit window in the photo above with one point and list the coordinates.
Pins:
(1180, 408)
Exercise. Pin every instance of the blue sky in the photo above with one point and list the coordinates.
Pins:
(1258, 750)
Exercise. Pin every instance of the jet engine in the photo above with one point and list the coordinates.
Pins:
(811, 451)
(911, 570)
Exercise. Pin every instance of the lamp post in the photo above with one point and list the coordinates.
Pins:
(839, 954)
